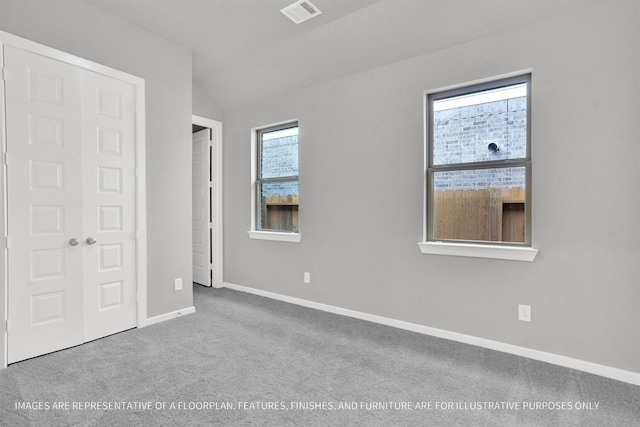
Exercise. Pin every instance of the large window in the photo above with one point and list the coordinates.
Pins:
(479, 164)
(277, 179)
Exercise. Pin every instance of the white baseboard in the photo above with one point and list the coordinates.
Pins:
(555, 359)
(169, 316)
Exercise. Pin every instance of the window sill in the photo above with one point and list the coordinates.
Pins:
(514, 253)
(275, 236)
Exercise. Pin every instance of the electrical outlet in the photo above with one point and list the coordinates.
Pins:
(524, 313)
(307, 277)
(177, 284)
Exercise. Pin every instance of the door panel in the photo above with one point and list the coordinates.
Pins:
(109, 206)
(44, 187)
(201, 174)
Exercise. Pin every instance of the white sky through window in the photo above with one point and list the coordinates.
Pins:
(492, 95)
(280, 133)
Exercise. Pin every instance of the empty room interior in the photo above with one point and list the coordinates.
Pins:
(320, 212)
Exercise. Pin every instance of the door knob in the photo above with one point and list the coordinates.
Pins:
(91, 240)
(74, 242)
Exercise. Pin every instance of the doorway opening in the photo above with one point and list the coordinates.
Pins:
(207, 202)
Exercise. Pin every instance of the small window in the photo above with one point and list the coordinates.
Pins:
(479, 165)
(277, 179)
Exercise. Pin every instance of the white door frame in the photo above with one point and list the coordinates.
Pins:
(216, 196)
(7, 39)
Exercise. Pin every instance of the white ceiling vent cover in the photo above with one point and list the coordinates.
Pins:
(300, 11)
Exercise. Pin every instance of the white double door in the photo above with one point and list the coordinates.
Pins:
(70, 205)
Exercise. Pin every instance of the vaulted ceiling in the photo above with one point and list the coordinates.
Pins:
(246, 50)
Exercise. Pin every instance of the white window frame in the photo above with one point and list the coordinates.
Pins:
(254, 233)
(494, 250)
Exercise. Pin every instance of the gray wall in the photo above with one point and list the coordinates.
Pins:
(78, 28)
(361, 140)
(204, 105)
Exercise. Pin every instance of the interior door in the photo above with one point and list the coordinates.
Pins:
(44, 205)
(108, 205)
(201, 174)
(71, 205)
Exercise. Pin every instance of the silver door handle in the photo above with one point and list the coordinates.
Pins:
(91, 240)
(74, 242)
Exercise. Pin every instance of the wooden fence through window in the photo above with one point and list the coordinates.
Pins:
(280, 212)
(492, 214)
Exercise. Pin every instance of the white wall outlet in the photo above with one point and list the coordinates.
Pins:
(524, 313)
(177, 284)
(307, 277)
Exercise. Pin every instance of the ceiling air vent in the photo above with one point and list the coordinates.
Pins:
(300, 11)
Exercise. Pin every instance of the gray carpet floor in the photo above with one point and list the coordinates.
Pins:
(246, 360)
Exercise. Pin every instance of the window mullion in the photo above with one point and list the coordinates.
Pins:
(278, 179)
(480, 165)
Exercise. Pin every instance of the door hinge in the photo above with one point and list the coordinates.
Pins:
(7, 242)
(210, 225)
(6, 326)
(4, 73)
(5, 158)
